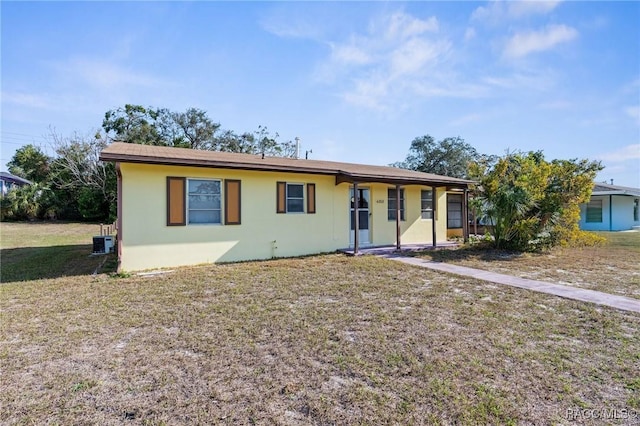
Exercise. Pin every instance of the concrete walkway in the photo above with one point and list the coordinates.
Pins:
(584, 295)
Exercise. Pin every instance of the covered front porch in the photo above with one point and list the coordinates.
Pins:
(411, 204)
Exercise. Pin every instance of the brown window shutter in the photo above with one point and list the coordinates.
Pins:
(281, 197)
(176, 201)
(231, 202)
(311, 198)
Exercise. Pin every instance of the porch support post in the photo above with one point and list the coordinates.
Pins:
(465, 215)
(356, 218)
(433, 215)
(397, 217)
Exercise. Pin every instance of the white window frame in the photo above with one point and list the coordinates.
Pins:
(287, 198)
(188, 222)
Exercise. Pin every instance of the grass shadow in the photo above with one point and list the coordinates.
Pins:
(475, 252)
(34, 263)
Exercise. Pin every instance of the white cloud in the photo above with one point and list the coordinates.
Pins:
(633, 112)
(402, 26)
(350, 54)
(470, 34)
(105, 75)
(495, 12)
(415, 55)
(28, 100)
(531, 80)
(522, 44)
(387, 62)
(629, 152)
(519, 9)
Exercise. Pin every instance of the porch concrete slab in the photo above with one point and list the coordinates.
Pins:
(393, 250)
(584, 295)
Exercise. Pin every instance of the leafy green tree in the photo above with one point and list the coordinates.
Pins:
(532, 203)
(193, 129)
(448, 157)
(24, 202)
(31, 163)
(190, 129)
(78, 170)
(136, 124)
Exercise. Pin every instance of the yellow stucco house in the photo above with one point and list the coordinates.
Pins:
(180, 206)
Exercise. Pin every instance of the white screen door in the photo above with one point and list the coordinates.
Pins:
(363, 216)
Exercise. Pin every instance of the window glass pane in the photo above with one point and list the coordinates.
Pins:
(363, 220)
(594, 211)
(204, 202)
(204, 216)
(426, 204)
(295, 205)
(392, 203)
(204, 186)
(454, 211)
(295, 191)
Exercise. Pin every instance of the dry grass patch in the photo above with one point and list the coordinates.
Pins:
(612, 268)
(319, 340)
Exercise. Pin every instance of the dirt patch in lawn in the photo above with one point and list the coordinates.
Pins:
(319, 340)
(612, 268)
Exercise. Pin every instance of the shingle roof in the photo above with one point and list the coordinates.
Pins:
(607, 189)
(344, 172)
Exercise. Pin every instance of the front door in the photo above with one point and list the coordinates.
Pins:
(363, 216)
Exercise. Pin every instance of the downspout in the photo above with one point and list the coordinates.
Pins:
(119, 213)
(610, 212)
(397, 217)
(433, 216)
(356, 218)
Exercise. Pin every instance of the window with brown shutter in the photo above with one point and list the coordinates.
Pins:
(232, 202)
(281, 197)
(176, 201)
(311, 198)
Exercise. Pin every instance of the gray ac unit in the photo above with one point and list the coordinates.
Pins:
(103, 244)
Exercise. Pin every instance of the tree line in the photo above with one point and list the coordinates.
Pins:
(531, 203)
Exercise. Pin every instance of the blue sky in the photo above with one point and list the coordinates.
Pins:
(356, 81)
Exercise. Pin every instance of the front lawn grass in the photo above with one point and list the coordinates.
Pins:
(611, 268)
(319, 340)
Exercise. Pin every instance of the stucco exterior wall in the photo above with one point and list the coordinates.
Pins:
(147, 242)
(617, 214)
